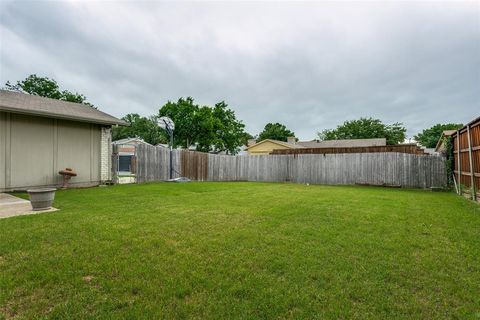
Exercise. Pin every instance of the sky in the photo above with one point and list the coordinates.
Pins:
(308, 65)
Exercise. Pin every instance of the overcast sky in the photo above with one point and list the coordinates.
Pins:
(308, 65)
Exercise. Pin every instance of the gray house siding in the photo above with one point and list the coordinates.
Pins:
(33, 149)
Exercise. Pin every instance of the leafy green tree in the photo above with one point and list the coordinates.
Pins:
(275, 131)
(75, 97)
(210, 129)
(228, 131)
(45, 87)
(140, 127)
(184, 114)
(246, 136)
(366, 128)
(429, 137)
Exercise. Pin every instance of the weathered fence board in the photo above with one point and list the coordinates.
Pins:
(194, 165)
(153, 164)
(388, 168)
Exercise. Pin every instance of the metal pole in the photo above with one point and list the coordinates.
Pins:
(171, 155)
(470, 159)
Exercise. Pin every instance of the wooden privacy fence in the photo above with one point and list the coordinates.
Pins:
(408, 170)
(466, 152)
(364, 168)
(194, 165)
(152, 163)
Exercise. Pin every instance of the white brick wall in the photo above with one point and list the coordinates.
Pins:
(106, 154)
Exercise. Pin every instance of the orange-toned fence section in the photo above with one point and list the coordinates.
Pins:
(466, 151)
(401, 148)
(194, 165)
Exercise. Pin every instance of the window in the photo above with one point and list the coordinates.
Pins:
(125, 163)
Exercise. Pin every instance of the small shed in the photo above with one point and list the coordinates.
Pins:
(125, 148)
(40, 136)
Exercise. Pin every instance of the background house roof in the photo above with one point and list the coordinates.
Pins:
(445, 133)
(17, 102)
(282, 143)
(130, 141)
(347, 143)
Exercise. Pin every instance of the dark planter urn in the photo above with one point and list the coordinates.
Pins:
(41, 199)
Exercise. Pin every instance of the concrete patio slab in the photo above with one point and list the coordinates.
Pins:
(11, 206)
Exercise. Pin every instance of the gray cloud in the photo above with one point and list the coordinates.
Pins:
(308, 65)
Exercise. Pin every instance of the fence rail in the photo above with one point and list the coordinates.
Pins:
(388, 168)
(402, 148)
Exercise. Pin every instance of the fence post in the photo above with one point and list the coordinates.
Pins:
(115, 164)
(459, 164)
(140, 163)
(470, 160)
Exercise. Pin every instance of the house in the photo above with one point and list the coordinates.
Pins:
(440, 147)
(430, 151)
(267, 146)
(126, 153)
(41, 136)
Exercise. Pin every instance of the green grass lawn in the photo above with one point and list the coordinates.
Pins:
(243, 251)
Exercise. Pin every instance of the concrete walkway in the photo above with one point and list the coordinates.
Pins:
(11, 206)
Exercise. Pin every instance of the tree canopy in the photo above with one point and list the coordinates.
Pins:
(46, 87)
(366, 128)
(275, 131)
(429, 137)
(145, 128)
(229, 132)
(211, 129)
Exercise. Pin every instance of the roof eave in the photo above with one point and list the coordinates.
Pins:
(55, 116)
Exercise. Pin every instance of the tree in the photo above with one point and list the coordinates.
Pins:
(229, 132)
(246, 136)
(45, 87)
(366, 128)
(429, 137)
(210, 129)
(140, 127)
(275, 131)
(184, 114)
